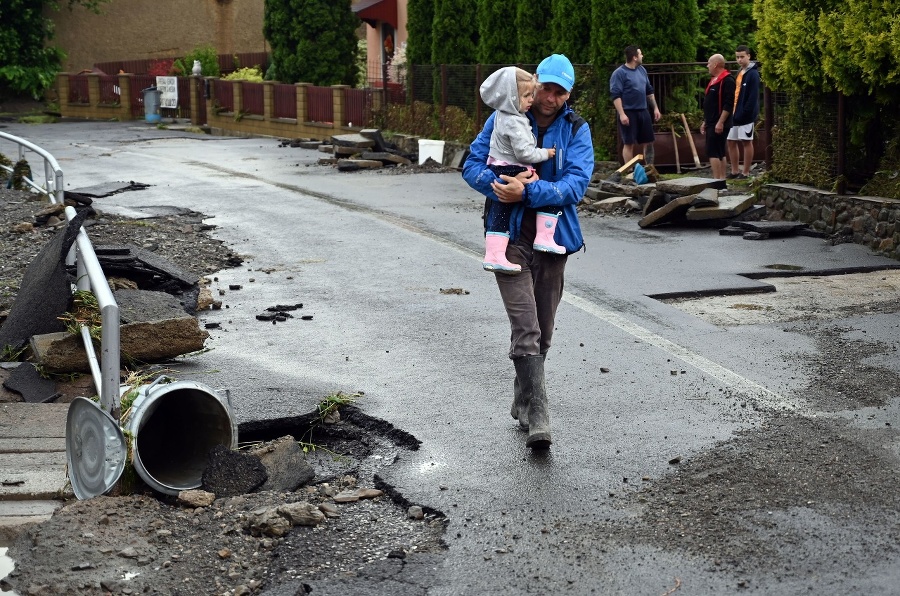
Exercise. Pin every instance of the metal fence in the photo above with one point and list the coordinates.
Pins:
(284, 98)
(89, 277)
(252, 98)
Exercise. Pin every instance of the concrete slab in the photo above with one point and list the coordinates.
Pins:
(32, 454)
(375, 135)
(32, 445)
(21, 420)
(611, 203)
(353, 140)
(344, 151)
(689, 185)
(773, 228)
(16, 515)
(367, 164)
(29, 476)
(675, 209)
(729, 206)
(385, 158)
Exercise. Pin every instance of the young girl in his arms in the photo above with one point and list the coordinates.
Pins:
(510, 91)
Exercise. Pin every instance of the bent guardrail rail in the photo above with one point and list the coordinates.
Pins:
(90, 276)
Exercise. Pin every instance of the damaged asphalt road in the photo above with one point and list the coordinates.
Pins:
(689, 456)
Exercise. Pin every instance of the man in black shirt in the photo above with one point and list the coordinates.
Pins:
(718, 103)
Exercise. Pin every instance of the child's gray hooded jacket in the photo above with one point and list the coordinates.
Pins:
(512, 140)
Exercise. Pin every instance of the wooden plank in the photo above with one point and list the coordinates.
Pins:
(630, 163)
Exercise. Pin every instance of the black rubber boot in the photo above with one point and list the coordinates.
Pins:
(519, 409)
(530, 372)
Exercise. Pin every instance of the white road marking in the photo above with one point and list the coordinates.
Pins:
(764, 397)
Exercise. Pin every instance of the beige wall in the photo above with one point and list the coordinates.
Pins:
(135, 29)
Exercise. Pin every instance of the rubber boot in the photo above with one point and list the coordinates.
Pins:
(530, 372)
(519, 409)
(543, 239)
(495, 244)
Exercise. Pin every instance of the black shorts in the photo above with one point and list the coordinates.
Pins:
(639, 129)
(716, 146)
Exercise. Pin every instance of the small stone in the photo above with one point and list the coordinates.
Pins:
(196, 498)
(369, 493)
(329, 510)
(346, 497)
(415, 512)
(224, 553)
(128, 552)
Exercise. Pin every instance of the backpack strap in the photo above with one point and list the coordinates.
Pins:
(576, 121)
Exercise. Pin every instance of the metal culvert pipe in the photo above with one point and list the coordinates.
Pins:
(173, 428)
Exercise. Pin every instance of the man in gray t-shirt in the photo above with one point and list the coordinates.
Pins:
(632, 94)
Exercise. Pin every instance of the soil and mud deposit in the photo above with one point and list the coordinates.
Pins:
(144, 543)
(147, 543)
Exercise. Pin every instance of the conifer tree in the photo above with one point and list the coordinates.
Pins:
(454, 33)
(726, 24)
(498, 42)
(313, 41)
(665, 30)
(570, 30)
(419, 18)
(532, 17)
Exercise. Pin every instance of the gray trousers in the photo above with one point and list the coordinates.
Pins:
(531, 297)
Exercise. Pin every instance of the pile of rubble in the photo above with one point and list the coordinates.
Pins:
(352, 152)
(692, 200)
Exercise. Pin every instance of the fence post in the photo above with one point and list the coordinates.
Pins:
(338, 101)
(268, 100)
(770, 125)
(195, 100)
(841, 144)
(62, 90)
(478, 82)
(125, 97)
(302, 101)
(93, 89)
(209, 98)
(443, 96)
(237, 93)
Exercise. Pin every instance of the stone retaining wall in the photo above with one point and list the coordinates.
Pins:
(870, 221)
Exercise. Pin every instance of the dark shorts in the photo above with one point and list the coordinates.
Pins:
(639, 129)
(716, 146)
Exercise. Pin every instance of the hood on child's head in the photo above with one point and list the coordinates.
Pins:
(500, 90)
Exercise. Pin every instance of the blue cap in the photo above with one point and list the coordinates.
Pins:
(556, 69)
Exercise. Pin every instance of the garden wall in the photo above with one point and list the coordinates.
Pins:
(870, 221)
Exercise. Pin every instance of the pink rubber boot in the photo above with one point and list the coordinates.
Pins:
(543, 239)
(495, 254)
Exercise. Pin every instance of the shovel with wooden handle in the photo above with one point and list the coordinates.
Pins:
(675, 144)
(687, 130)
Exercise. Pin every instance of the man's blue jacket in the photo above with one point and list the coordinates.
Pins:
(563, 179)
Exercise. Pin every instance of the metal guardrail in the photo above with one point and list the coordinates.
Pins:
(90, 277)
